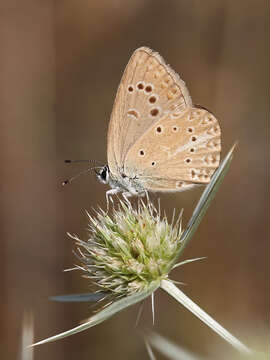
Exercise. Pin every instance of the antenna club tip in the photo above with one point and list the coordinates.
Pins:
(65, 182)
(67, 161)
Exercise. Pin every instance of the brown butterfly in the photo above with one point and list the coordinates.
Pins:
(157, 139)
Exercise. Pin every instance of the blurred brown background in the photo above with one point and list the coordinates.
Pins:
(61, 63)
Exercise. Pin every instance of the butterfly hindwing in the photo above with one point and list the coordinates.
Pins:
(176, 151)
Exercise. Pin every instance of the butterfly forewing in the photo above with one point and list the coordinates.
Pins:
(149, 91)
(177, 151)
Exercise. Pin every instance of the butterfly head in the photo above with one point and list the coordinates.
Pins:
(103, 174)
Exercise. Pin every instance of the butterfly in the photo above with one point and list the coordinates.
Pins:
(158, 141)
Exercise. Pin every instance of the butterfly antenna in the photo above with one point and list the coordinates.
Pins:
(68, 181)
(82, 161)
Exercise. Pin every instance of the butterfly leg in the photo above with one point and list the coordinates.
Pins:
(146, 195)
(126, 196)
(109, 193)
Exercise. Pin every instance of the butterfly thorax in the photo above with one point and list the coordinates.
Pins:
(120, 182)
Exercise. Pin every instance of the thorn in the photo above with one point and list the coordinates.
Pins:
(153, 308)
(139, 314)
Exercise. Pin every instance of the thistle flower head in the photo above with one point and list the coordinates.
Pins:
(131, 249)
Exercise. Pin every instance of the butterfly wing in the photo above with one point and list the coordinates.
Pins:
(176, 152)
(149, 89)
